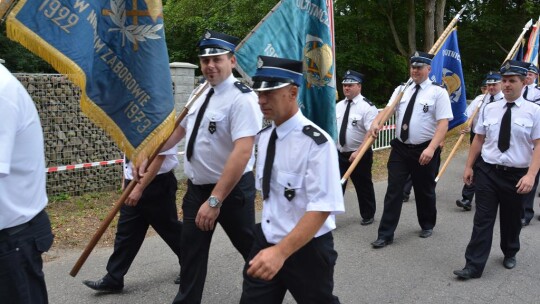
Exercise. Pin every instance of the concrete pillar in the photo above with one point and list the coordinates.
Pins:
(183, 78)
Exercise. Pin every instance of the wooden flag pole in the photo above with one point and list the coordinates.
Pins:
(127, 191)
(5, 8)
(390, 108)
(469, 121)
(518, 41)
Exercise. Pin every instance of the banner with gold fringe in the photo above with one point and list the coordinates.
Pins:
(115, 51)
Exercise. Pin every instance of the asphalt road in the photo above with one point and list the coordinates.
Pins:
(411, 270)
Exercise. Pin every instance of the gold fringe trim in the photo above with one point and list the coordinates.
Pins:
(20, 33)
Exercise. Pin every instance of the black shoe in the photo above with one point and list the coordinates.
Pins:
(509, 262)
(426, 233)
(466, 274)
(177, 280)
(365, 222)
(380, 243)
(465, 204)
(101, 285)
(524, 222)
(405, 198)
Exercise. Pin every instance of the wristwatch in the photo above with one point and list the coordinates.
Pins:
(214, 202)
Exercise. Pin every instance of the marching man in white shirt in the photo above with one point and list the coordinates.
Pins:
(298, 174)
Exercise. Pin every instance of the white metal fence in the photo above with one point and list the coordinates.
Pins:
(386, 134)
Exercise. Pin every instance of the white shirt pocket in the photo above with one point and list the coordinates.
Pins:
(426, 105)
(289, 184)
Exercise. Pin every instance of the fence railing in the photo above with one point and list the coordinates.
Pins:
(386, 134)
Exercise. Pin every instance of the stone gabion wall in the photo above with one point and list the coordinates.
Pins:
(71, 138)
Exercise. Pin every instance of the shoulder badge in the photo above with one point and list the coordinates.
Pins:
(368, 101)
(265, 128)
(315, 134)
(242, 87)
(437, 84)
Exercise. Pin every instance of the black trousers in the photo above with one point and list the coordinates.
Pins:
(308, 274)
(156, 208)
(21, 268)
(403, 161)
(494, 188)
(237, 217)
(528, 203)
(361, 178)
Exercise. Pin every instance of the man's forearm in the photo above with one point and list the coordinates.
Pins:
(474, 150)
(234, 167)
(151, 173)
(303, 232)
(534, 167)
(440, 133)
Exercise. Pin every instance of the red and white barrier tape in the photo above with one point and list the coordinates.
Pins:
(88, 165)
(85, 165)
(388, 127)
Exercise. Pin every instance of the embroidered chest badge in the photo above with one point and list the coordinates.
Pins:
(212, 127)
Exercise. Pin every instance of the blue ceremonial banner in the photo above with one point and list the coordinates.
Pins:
(299, 30)
(115, 51)
(446, 70)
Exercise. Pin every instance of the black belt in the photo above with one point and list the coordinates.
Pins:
(11, 231)
(508, 169)
(157, 177)
(411, 146)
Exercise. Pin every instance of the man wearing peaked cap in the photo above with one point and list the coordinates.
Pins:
(220, 131)
(507, 146)
(493, 83)
(354, 116)
(297, 172)
(422, 115)
(531, 92)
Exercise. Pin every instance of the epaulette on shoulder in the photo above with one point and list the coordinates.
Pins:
(242, 87)
(265, 128)
(368, 101)
(315, 134)
(496, 99)
(437, 84)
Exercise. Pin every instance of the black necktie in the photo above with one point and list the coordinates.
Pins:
(491, 98)
(407, 116)
(268, 163)
(191, 143)
(525, 92)
(504, 132)
(343, 130)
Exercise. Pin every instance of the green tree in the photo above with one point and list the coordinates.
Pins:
(19, 59)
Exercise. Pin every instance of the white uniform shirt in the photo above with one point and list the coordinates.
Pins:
(169, 163)
(525, 128)
(302, 166)
(533, 93)
(22, 157)
(480, 99)
(432, 104)
(361, 115)
(235, 115)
